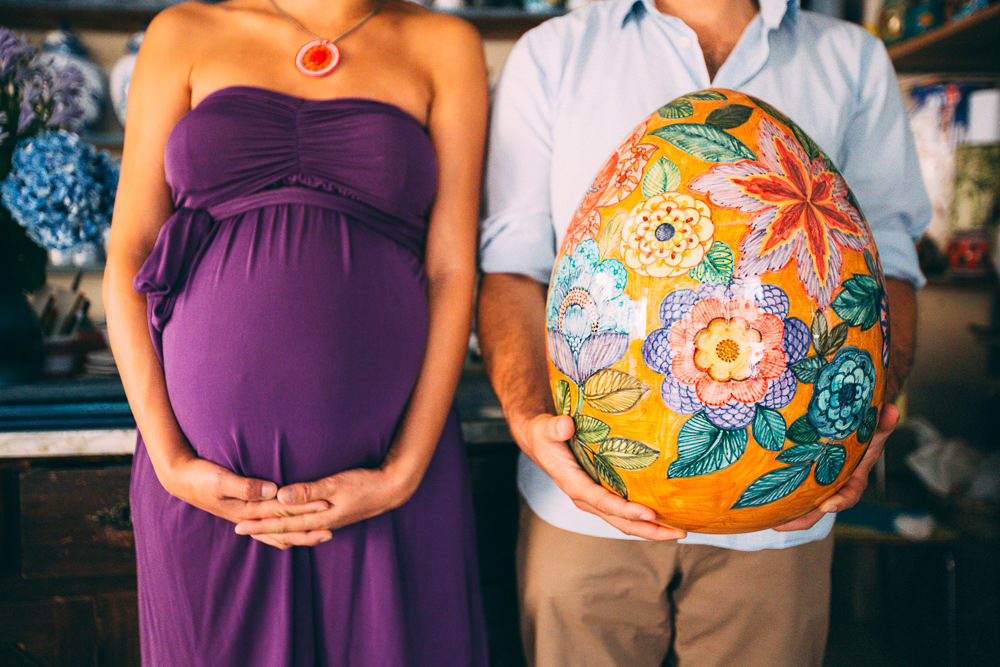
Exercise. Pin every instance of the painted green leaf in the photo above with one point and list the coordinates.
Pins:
(628, 454)
(830, 463)
(768, 429)
(859, 302)
(717, 267)
(706, 95)
(802, 453)
(614, 391)
(705, 142)
(870, 262)
(704, 448)
(729, 116)
(807, 370)
(868, 423)
(676, 109)
(773, 486)
(591, 430)
(564, 402)
(836, 338)
(662, 176)
(771, 111)
(610, 476)
(801, 432)
(609, 238)
(819, 329)
(583, 458)
(810, 147)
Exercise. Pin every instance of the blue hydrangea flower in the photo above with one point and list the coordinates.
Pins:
(842, 394)
(725, 349)
(588, 316)
(61, 190)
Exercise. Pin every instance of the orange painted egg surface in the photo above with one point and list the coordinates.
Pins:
(717, 322)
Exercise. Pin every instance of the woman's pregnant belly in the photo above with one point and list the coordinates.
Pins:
(295, 343)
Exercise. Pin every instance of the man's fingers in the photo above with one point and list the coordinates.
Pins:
(592, 497)
(646, 529)
(803, 522)
(889, 418)
(559, 428)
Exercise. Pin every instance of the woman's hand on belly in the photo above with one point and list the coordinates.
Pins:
(351, 496)
(219, 491)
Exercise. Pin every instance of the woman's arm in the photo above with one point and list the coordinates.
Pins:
(159, 95)
(457, 126)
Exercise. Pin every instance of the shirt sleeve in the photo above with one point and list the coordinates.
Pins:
(882, 168)
(516, 233)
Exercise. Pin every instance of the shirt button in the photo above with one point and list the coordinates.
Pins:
(684, 42)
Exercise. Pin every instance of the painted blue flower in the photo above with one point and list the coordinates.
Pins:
(842, 394)
(588, 316)
(725, 349)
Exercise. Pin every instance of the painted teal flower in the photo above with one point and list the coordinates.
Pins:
(842, 394)
(588, 316)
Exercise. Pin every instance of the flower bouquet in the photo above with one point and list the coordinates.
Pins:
(55, 187)
(56, 191)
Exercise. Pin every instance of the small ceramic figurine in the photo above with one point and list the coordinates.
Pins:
(62, 48)
(121, 75)
(717, 324)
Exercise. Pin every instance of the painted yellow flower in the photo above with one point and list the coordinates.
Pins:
(667, 235)
(728, 349)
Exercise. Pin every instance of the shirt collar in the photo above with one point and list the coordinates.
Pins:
(771, 11)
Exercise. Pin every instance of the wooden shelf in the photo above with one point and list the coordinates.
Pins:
(968, 46)
(136, 14)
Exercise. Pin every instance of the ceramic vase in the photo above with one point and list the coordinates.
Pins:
(61, 49)
(121, 76)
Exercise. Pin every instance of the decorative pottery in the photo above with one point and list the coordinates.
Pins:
(62, 49)
(121, 76)
(717, 323)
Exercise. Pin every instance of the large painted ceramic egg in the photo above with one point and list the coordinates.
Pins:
(717, 321)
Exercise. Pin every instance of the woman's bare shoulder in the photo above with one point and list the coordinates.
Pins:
(431, 31)
(191, 20)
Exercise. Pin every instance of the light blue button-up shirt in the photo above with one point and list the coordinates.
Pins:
(573, 88)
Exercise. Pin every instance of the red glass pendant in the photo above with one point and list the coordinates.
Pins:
(317, 58)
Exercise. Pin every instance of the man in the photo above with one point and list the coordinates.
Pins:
(592, 592)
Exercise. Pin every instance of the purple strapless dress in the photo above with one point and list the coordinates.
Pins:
(287, 302)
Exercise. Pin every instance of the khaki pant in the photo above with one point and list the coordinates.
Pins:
(594, 602)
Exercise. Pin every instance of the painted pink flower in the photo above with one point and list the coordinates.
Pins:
(728, 350)
(799, 209)
(632, 159)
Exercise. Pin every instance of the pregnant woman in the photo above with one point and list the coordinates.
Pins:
(288, 291)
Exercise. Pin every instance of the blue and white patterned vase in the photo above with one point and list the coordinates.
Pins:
(121, 76)
(62, 49)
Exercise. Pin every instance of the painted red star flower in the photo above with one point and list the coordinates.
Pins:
(799, 210)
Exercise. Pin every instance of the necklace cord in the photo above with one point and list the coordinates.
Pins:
(291, 19)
